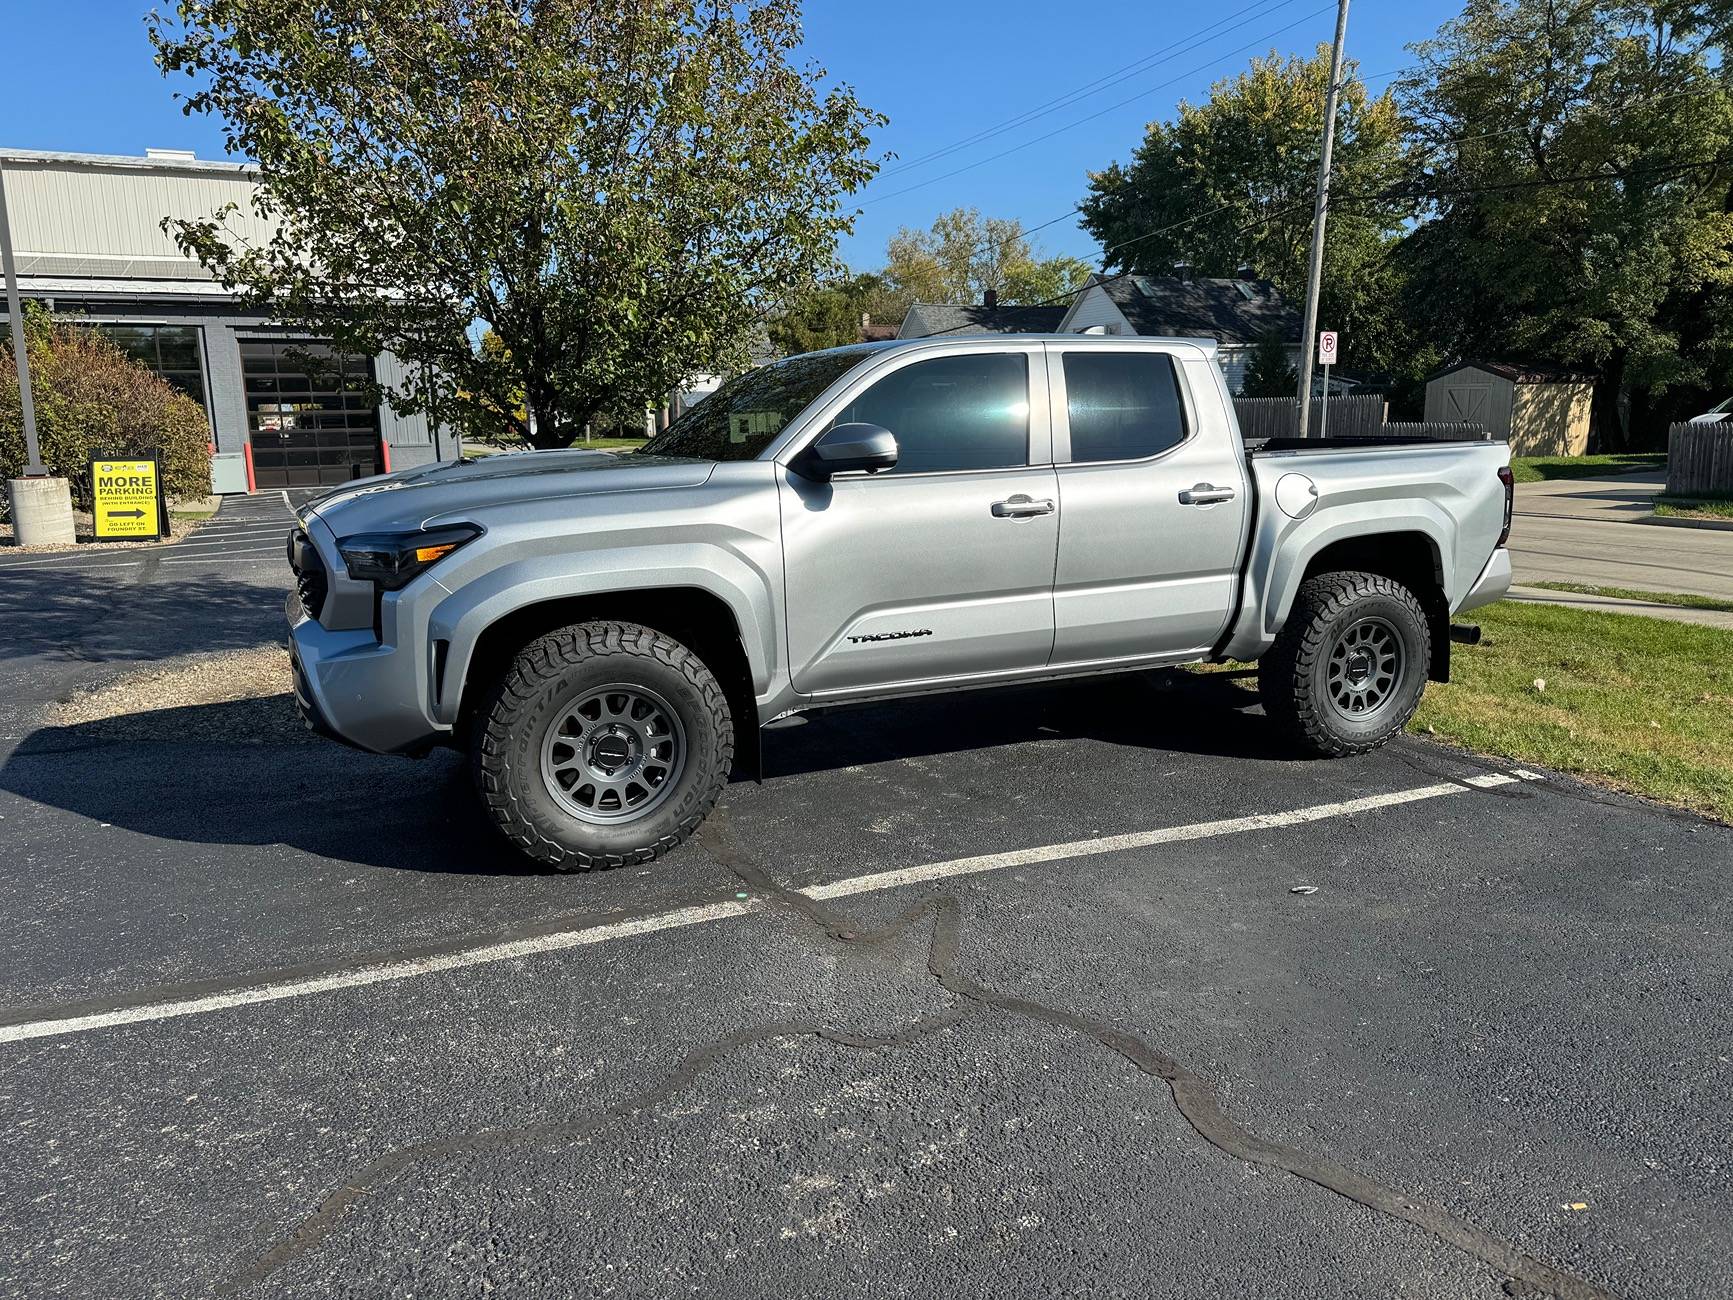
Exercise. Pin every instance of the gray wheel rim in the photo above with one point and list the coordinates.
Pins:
(1365, 668)
(613, 753)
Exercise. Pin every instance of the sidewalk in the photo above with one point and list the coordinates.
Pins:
(1615, 605)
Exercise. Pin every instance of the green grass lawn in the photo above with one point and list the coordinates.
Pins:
(1680, 508)
(1536, 469)
(1682, 599)
(1636, 704)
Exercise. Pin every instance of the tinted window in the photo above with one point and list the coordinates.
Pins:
(1123, 405)
(967, 412)
(741, 418)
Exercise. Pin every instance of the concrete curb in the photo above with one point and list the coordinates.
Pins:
(1713, 525)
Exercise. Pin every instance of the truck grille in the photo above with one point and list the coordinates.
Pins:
(312, 583)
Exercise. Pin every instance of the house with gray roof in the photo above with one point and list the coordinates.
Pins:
(925, 319)
(1236, 313)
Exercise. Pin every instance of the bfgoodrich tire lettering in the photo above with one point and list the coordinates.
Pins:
(538, 691)
(1348, 668)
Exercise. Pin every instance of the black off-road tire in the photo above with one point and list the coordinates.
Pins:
(1293, 678)
(514, 718)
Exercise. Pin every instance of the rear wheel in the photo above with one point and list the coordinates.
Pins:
(604, 744)
(1348, 668)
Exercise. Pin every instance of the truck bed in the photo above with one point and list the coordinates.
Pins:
(1352, 442)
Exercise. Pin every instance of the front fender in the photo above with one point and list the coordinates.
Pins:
(742, 584)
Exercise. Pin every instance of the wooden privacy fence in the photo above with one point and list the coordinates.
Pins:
(1279, 417)
(1350, 417)
(1443, 430)
(1700, 460)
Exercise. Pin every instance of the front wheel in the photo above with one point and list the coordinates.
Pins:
(1348, 667)
(604, 744)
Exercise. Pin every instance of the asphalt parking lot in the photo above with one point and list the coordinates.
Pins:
(1009, 994)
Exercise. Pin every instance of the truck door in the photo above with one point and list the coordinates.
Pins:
(1153, 502)
(943, 566)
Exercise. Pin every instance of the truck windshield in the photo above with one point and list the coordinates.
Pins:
(740, 419)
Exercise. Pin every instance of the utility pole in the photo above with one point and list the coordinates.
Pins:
(1320, 207)
(33, 468)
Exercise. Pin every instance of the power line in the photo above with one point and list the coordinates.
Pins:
(1377, 196)
(943, 176)
(1089, 88)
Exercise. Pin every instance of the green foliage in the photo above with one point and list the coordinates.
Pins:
(1572, 219)
(92, 400)
(1235, 176)
(827, 316)
(963, 255)
(615, 189)
(1270, 373)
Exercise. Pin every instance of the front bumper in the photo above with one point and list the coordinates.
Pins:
(352, 688)
(1493, 582)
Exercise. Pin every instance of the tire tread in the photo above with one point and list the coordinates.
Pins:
(546, 659)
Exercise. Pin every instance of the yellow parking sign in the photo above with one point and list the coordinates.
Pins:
(128, 497)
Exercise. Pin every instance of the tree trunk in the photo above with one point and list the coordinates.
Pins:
(1607, 431)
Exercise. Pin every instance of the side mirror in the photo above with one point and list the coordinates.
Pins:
(850, 446)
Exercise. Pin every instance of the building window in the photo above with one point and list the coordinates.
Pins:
(171, 351)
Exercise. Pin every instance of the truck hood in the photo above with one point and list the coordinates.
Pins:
(432, 494)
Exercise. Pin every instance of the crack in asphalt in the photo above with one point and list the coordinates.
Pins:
(1193, 1096)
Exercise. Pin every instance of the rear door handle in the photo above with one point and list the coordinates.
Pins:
(1205, 494)
(1021, 507)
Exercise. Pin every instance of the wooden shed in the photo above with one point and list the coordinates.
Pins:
(1542, 410)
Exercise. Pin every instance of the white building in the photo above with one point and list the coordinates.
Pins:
(87, 230)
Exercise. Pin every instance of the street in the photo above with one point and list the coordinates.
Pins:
(1072, 990)
(1586, 531)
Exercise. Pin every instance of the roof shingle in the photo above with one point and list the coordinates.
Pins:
(928, 318)
(1228, 311)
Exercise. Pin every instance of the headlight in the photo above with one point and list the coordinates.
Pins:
(390, 560)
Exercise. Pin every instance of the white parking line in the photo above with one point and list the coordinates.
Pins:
(486, 954)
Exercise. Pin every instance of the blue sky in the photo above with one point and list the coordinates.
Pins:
(77, 75)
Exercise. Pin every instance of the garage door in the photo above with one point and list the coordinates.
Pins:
(311, 419)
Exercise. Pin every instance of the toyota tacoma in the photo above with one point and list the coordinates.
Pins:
(601, 633)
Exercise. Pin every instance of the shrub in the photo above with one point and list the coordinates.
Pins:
(92, 400)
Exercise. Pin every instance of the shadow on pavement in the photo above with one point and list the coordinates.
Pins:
(1169, 710)
(246, 773)
(132, 613)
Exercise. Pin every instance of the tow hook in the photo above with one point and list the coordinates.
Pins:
(1465, 633)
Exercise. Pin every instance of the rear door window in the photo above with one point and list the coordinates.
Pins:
(952, 413)
(1122, 405)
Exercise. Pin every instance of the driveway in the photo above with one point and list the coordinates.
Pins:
(1072, 991)
(1586, 531)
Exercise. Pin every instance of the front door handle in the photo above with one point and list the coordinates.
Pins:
(1021, 507)
(1205, 494)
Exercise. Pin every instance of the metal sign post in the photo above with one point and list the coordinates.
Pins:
(33, 467)
(1326, 358)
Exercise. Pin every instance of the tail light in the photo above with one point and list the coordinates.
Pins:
(1509, 480)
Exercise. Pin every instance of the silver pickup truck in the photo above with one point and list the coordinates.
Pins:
(602, 632)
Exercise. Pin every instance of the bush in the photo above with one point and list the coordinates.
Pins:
(92, 400)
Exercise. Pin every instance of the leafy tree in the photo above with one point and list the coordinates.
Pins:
(614, 188)
(1577, 161)
(827, 316)
(93, 400)
(1270, 373)
(1229, 184)
(964, 254)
